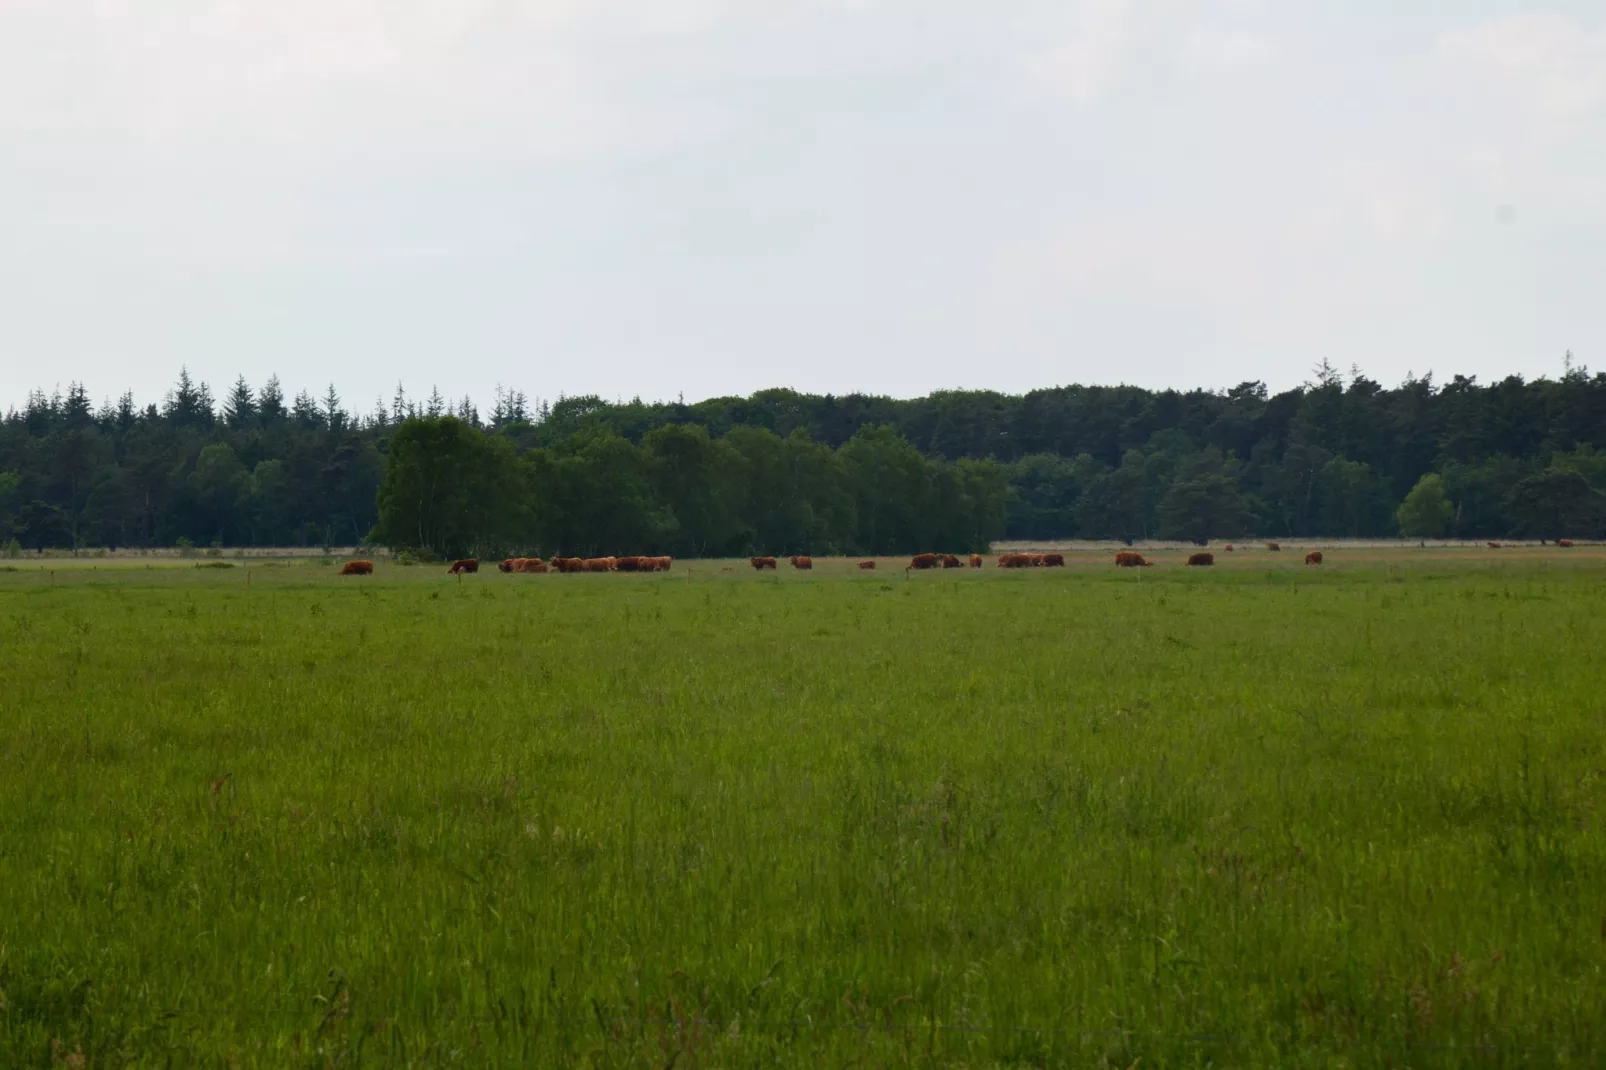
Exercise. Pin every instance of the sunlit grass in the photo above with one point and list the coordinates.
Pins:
(1253, 815)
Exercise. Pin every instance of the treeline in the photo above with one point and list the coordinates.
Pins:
(786, 472)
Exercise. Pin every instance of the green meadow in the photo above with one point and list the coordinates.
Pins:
(1258, 815)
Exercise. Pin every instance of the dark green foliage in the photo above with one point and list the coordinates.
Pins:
(449, 489)
(783, 472)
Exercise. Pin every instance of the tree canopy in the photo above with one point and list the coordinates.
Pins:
(782, 471)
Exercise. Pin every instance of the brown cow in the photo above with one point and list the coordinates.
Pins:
(656, 564)
(357, 568)
(1565, 544)
(568, 564)
(1273, 547)
(761, 563)
(1229, 547)
(924, 561)
(528, 564)
(467, 564)
(1201, 559)
(866, 566)
(975, 560)
(1131, 559)
(802, 562)
(1313, 558)
(1493, 545)
(1012, 561)
(1053, 560)
(950, 561)
(505, 565)
(599, 564)
(1034, 560)
(627, 564)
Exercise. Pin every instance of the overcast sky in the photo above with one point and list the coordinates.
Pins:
(707, 197)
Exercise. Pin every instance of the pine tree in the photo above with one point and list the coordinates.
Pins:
(305, 412)
(400, 408)
(333, 413)
(270, 401)
(436, 406)
(240, 410)
(76, 412)
(126, 412)
(185, 401)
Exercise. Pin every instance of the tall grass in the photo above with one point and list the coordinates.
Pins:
(1261, 815)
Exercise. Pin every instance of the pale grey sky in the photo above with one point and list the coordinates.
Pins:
(710, 197)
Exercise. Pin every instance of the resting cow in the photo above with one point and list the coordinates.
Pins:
(866, 566)
(357, 568)
(568, 564)
(467, 564)
(924, 561)
(801, 562)
(1201, 559)
(1053, 560)
(761, 563)
(1313, 558)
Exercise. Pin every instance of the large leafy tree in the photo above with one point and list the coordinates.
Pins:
(1425, 512)
(449, 490)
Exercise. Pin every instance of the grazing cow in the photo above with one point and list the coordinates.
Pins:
(1229, 547)
(1013, 561)
(1273, 547)
(1565, 544)
(1313, 558)
(1053, 560)
(801, 562)
(627, 564)
(1131, 559)
(599, 564)
(1201, 559)
(866, 566)
(761, 563)
(950, 561)
(467, 564)
(357, 568)
(924, 561)
(1493, 545)
(975, 560)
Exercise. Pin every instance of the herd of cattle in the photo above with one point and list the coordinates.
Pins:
(920, 562)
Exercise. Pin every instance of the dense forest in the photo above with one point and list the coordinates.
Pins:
(786, 472)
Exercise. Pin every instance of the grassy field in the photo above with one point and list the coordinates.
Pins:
(1256, 815)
